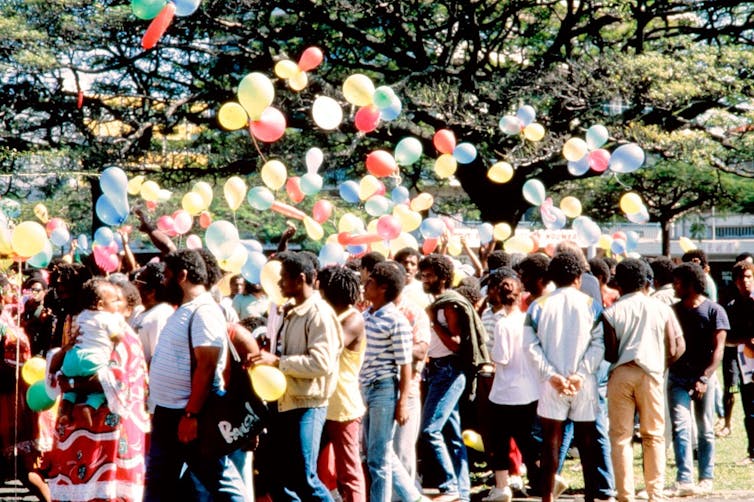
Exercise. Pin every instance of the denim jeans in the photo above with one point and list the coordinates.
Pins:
(441, 424)
(385, 470)
(405, 437)
(680, 416)
(747, 401)
(167, 456)
(242, 460)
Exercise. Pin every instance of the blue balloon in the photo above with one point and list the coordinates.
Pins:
(42, 259)
(252, 246)
(632, 240)
(103, 236)
(465, 153)
(432, 228)
(252, 269)
(331, 254)
(393, 111)
(400, 194)
(485, 232)
(260, 198)
(618, 246)
(579, 167)
(349, 192)
(356, 249)
(626, 158)
(186, 7)
(114, 183)
(118, 240)
(311, 183)
(83, 242)
(110, 212)
(60, 236)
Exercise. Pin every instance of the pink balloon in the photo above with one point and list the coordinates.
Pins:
(193, 241)
(53, 224)
(620, 235)
(445, 141)
(106, 259)
(322, 210)
(380, 188)
(167, 225)
(367, 118)
(270, 127)
(182, 221)
(598, 160)
(310, 59)
(388, 227)
(293, 189)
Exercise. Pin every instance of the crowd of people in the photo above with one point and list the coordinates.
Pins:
(392, 365)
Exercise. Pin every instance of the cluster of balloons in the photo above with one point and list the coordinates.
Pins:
(523, 123)
(105, 249)
(253, 108)
(451, 154)
(374, 104)
(619, 243)
(112, 206)
(634, 208)
(295, 73)
(33, 372)
(585, 154)
(161, 12)
(149, 190)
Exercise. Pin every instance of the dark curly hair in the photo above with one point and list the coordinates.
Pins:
(498, 259)
(499, 275)
(440, 265)
(214, 272)
(191, 261)
(369, 260)
(390, 274)
(662, 269)
(691, 275)
(565, 267)
(600, 269)
(296, 264)
(339, 286)
(90, 293)
(472, 294)
(631, 275)
(534, 266)
(404, 253)
(697, 254)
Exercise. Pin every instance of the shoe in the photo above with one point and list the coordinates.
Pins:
(559, 487)
(704, 487)
(499, 495)
(682, 490)
(515, 483)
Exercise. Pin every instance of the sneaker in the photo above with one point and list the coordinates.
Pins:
(682, 490)
(704, 487)
(515, 483)
(499, 495)
(559, 487)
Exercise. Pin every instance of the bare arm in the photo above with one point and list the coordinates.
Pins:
(129, 260)
(404, 385)
(159, 238)
(201, 383)
(353, 331)
(475, 262)
(289, 232)
(450, 335)
(675, 344)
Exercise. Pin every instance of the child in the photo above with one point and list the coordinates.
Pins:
(99, 327)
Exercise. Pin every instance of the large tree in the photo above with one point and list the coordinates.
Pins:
(650, 71)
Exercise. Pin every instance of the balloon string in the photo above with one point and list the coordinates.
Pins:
(17, 390)
(259, 151)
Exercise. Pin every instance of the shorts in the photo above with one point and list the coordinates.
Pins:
(579, 408)
(731, 371)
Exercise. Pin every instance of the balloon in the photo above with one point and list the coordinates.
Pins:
(322, 210)
(42, 259)
(314, 158)
(620, 235)
(534, 132)
(632, 240)
(579, 167)
(429, 245)
(519, 244)
(596, 136)
(274, 174)
(221, 239)
(408, 151)
(205, 219)
(83, 242)
(501, 231)
(380, 163)
(60, 236)
(103, 236)
(37, 398)
(253, 246)
(349, 222)
(182, 221)
(158, 26)
(166, 224)
(270, 126)
(598, 160)
(268, 382)
(388, 227)
(260, 198)
(393, 111)
(500, 172)
(473, 439)
(587, 230)
(571, 206)
(286, 69)
(235, 191)
(534, 192)
(686, 244)
(40, 211)
(455, 248)
(331, 254)
(106, 258)
(163, 195)
(618, 246)
(192, 203)
(526, 114)
(367, 118)
(465, 153)
(368, 186)
(34, 370)
(358, 90)
(252, 268)
(205, 191)
(186, 7)
(268, 279)
(555, 219)
(327, 113)
(28, 238)
(604, 242)
(310, 58)
(150, 191)
(574, 149)
(444, 141)
(288, 211)
(110, 212)
(486, 232)
(626, 158)
(293, 189)
(410, 220)
(114, 183)
(311, 183)
(383, 96)
(641, 217)
(146, 9)
(255, 93)
(377, 205)
(402, 241)
(445, 165)
(234, 258)
(193, 241)
(134, 185)
(298, 81)
(422, 202)
(232, 116)
(400, 194)
(313, 229)
(349, 191)
(54, 223)
(631, 203)
(510, 125)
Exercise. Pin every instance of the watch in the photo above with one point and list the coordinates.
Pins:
(703, 379)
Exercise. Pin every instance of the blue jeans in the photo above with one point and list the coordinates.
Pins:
(679, 401)
(441, 424)
(385, 469)
(167, 456)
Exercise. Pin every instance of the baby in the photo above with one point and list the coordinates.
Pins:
(99, 327)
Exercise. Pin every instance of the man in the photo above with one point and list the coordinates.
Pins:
(565, 342)
(704, 324)
(413, 290)
(179, 387)
(456, 349)
(662, 271)
(641, 336)
(149, 323)
(311, 340)
(533, 273)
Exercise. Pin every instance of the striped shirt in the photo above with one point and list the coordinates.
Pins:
(389, 342)
(170, 371)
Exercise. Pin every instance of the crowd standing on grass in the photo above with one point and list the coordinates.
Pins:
(396, 370)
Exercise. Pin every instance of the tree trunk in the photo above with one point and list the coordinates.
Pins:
(665, 224)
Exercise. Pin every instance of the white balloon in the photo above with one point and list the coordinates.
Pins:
(314, 158)
(327, 113)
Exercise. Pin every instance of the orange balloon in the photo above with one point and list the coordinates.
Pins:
(205, 219)
(310, 59)
(380, 163)
(445, 141)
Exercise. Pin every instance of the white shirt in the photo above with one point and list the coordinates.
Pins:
(98, 329)
(436, 347)
(148, 325)
(515, 379)
(489, 321)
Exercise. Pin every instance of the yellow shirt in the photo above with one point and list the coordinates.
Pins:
(346, 403)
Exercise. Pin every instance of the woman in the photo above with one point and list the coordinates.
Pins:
(104, 461)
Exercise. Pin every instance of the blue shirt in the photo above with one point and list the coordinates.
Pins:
(389, 343)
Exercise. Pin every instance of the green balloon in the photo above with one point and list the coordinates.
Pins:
(37, 397)
(147, 9)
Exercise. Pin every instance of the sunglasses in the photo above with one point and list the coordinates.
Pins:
(36, 290)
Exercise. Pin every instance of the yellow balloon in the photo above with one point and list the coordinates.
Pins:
(405, 240)
(236, 259)
(349, 222)
(193, 204)
(274, 174)
(255, 93)
(519, 244)
(34, 370)
(134, 185)
(358, 90)
(410, 220)
(372, 226)
(500, 172)
(571, 206)
(268, 278)
(28, 238)
(232, 116)
(163, 195)
(380, 247)
(501, 231)
(422, 202)
(534, 132)
(313, 229)
(574, 149)
(205, 191)
(299, 81)
(235, 191)
(332, 239)
(473, 439)
(286, 69)
(604, 242)
(686, 244)
(268, 382)
(454, 246)
(40, 211)
(631, 203)
(6, 247)
(150, 191)
(368, 186)
(445, 166)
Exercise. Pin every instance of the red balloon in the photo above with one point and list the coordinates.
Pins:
(445, 141)
(388, 227)
(429, 245)
(380, 163)
(349, 239)
(205, 219)
(598, 160)
(310, 59)
(322, 210)
(151, 205)
(53, 224)
(620, 235)
(287, 210)
(270, 127)
(158, 26)
(367, 118)
(293, 189)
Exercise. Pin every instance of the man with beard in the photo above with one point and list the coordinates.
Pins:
(177, 391)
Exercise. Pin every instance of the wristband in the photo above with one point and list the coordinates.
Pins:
(703, 379)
